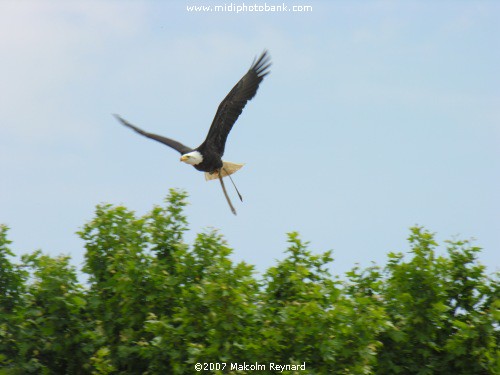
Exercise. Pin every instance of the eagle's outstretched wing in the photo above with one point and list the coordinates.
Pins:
(232, 105)
(166, 141)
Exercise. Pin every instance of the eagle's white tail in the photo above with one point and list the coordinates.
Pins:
(228, 168)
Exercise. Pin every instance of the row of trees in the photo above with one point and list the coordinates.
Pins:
(154, 305)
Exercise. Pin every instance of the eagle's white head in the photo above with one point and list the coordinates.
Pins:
(192, 158)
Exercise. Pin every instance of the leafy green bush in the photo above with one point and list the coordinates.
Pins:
(156, 305)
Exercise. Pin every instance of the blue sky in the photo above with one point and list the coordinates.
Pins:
(377, 115)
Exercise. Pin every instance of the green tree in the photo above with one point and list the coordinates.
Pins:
(213, 315)
(55, 329)
(44, 324)
(156, 305)
(444, 311)
(306, 317)
(12, 289)
(120, 273)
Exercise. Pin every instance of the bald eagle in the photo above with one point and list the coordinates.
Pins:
(208, 156)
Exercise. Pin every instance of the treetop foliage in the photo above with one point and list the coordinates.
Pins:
(156, 305)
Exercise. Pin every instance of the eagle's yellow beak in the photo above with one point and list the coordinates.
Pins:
(184, 157)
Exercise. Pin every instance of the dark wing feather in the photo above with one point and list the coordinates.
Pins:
(232, 105)
(166, 141)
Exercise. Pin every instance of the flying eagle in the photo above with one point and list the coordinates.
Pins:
(208, 156)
